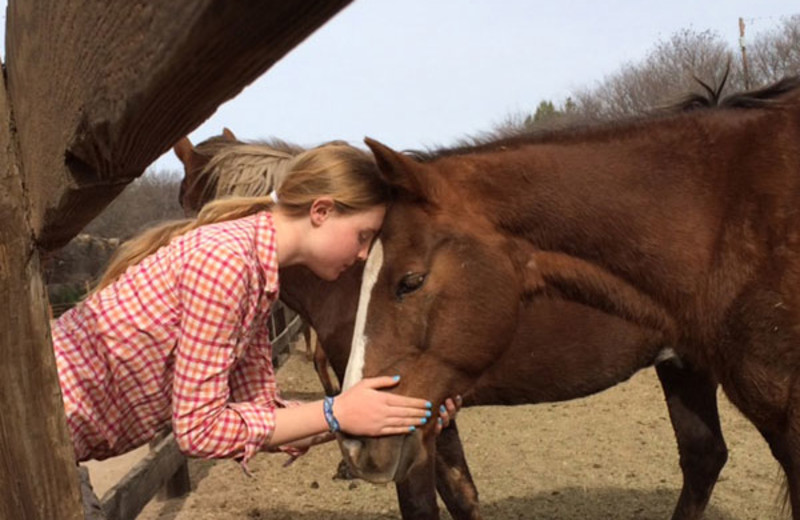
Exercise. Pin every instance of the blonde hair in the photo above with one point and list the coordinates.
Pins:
(246, 174)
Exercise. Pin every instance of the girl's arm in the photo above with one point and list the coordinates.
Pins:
(215, 291)
(361, 410)
(447, 413)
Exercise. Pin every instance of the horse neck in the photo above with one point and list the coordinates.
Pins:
(623, 206)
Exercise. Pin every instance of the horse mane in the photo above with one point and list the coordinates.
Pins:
(249, 169)
(770, 96)
(764, 97)
(712, 97)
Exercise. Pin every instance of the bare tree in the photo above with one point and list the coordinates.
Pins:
(666, 74)
(777, 53)
(150, 199)
(73, 269)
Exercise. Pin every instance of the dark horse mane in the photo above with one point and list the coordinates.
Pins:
(766, 97)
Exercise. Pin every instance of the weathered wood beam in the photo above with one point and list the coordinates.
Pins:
(101, 89)
(38, 476)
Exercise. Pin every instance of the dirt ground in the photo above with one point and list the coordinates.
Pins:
(608, 456)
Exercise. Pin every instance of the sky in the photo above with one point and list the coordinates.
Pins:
(424, 73)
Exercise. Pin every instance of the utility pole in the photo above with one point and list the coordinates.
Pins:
(742, 45)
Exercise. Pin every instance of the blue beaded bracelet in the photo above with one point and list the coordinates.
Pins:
(327, 407)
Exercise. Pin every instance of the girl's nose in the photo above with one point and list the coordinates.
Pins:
(363, 253)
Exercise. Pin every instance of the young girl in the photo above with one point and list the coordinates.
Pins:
(176, 332)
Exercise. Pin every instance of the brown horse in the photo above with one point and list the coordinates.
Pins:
(580, 351)
(686, 224)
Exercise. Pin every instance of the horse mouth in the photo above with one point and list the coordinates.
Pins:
(383, 459)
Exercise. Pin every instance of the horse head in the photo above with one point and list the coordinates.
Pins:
(441, 282)
(196, 189)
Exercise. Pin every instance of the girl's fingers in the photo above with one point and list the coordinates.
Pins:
(397, 430)
(402, 401)
(444, 417)
(415, 413)
(380, 381)
(447, 412)
(408, 421)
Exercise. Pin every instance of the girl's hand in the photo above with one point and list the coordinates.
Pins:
(447, 413)
(364, 410)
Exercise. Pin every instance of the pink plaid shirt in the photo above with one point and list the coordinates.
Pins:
(180, 337)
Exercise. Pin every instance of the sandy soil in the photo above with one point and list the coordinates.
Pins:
(609, 456)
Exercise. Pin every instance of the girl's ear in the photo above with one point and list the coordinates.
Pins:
(320, 210)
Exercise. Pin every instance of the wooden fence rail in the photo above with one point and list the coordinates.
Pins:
(165, 466)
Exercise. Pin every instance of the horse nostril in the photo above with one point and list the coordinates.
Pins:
(353, 448)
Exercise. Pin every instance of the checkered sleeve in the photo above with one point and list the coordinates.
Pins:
(254, 380)
(214, 289)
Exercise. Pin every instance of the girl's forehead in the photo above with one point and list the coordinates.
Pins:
(371, 218)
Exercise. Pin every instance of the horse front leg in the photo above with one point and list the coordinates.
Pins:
(453, 478)
(691, 397)
(320, 359)
(449, 475)
(783, 438)
(417, 492)
(788, 456)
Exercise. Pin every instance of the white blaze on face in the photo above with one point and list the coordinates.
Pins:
(355, 364)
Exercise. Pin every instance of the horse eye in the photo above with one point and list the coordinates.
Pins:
(410, 283)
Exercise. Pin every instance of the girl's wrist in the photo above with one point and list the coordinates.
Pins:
(330, 418)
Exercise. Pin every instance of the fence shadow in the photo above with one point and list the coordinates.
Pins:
(168, 508)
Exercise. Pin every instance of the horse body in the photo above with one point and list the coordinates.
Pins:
(714, 243)
(562, 350)
(684, 225)
(686, 218)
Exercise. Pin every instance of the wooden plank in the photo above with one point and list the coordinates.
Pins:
(281, 344)
(130, 495)
(101, 89)
(38, 475)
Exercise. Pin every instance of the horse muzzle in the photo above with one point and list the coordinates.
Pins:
(382, 459)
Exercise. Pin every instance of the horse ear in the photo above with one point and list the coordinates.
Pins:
(183, 149)
(227, 134)
(400, 171)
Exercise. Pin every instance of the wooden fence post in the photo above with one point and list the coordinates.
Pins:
(38, 475)
(89, 114)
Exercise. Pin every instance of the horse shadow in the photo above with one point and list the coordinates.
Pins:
(572, 503)
(168, 508)
(575, 503)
